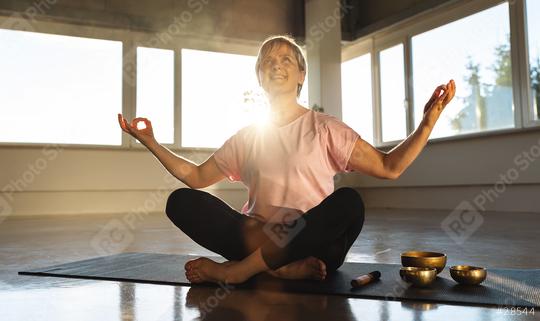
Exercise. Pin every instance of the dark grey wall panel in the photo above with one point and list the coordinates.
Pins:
(241, 19)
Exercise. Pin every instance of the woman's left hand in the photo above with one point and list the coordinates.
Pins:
(440, 98)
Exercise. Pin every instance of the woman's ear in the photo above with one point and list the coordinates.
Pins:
(302, 77)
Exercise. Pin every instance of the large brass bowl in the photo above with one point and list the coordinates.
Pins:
(418, 276)
(424, 259)
(468, 275)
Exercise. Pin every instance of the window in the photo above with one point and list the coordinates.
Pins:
(303, 99)
(356, 96)
(59, 89)
(220, 95)
(155, 91)
(475, 52)
(533, 31)
(394, 121)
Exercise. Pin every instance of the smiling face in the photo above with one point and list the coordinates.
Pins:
(279, 70)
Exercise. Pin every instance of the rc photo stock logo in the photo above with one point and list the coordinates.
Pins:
(465, 219)
(113, 238)
(462, 222)
(119, 233)
(283, 231)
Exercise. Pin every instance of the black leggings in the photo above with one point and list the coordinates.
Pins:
(327, 231)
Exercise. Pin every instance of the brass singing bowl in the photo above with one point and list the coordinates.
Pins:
(418, 276)
(468, 275)
(424, 259)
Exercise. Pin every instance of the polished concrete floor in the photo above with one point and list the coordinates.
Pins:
(503, 240)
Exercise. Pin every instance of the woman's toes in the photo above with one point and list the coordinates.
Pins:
(194, 278)
(193, 265)
(192, 271)
(321, 269)
(205, 270)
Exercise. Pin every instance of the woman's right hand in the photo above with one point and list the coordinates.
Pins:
(144, 135)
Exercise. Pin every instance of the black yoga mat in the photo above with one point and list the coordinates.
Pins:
(503, 287)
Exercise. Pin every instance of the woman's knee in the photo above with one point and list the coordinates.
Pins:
(177, 199)
(351, 200)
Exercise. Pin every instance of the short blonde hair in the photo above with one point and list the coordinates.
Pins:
(274, 42)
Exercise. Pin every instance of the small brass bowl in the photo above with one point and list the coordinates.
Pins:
(424, 259)
(468, 275)
(418, 276)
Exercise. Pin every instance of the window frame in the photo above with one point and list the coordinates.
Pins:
(357, 50)
(131, 39)
(62, 29)
(379, 46)
(143, 39)
(215, 48)
(520, 15)
(404, 31)
(401, 32)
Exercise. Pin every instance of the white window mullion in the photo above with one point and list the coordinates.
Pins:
(129, 86)
(178, 98)
(520, 66)
(376, 90)
(392, 92)
(409, 90)
(528, 18)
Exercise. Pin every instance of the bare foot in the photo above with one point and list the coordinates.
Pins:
(308, 268)
(205, 270)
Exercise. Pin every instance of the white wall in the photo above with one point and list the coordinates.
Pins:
(500, 172)
(47, 180)
(53, 180)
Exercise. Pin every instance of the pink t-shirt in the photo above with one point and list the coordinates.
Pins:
(288, 169)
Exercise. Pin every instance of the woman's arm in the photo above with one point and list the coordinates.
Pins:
(179, 167)
(371, 161)
(189, 173)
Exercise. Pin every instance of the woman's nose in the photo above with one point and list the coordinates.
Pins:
(276, 65)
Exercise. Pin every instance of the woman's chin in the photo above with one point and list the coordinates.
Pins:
(275, 92)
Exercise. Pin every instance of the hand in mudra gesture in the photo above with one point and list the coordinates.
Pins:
(435, 105)
(142, 133)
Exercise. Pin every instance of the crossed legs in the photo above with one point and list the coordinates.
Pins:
(320, 246)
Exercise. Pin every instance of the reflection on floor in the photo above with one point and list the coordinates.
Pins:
(503, 240)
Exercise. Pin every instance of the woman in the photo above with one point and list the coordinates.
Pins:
(294, 225)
